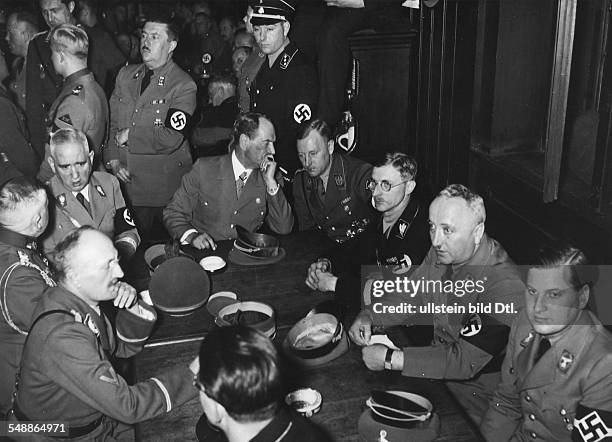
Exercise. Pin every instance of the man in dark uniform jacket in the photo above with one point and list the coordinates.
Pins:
(286, 86)
(397, 237)
(241, 391)
(151, 109)
(24, 274)
(464, 348)
(251, 66)
(81, 104)
(330, 193)
(65, 373)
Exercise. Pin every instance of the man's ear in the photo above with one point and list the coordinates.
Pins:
(330, 146)
(51, 163)
(172, 46)
(243, 142)
(478, 233)
(583, 296)
(286, 27)
(410, 186)
(71, 6)
(91, 157)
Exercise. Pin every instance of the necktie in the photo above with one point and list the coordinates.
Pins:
(146, 79)
(316, 195)
(240, 183)
(542, 348)
(83, 202)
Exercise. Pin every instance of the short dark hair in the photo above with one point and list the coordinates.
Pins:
(562, 254)
(241, 369)
(245, 124)
(59, 256)
(224, 79)
(172, 27)
(405, 164)
(318, 125)
(92, 5)
(17, 191)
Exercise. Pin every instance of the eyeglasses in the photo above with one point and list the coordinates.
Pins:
(385, 185)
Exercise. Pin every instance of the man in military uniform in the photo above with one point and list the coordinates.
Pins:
(20, 29)
(81, 103)
(251, 66)
(285, 88)
(330, 192)
(85, 198)
(225, 191)
(65, 373)
(557, 373)
(24, 273)
(397, 237)
(465, 349)
(151, 108)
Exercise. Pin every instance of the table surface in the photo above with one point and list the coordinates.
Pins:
(344, 383)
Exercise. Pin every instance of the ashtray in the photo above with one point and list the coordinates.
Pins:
(305, 401)
(212, 263)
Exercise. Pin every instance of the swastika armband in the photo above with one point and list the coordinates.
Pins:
(177, 120)
(123, 221)
(591, 425)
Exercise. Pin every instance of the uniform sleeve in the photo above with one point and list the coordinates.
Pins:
(178, 213)
(362, 176)
(19, 151)
(168, 137)
(304, 218)
(23, 290)
(111, 152)
(280, 216)
(504, 415)
(305, 96)
(73, 113)
(72, 360)
(594, 411)
(125, 227)
(134, 326)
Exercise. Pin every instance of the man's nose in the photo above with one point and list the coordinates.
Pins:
(436, 238)
(73, 172)
(539, 304)
(271, 150)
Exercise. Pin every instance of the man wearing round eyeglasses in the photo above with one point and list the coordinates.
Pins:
(464, 269)
(397, 237)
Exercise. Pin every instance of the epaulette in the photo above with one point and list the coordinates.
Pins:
(286, 59)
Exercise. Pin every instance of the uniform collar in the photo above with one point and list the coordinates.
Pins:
(277, 429)
(238, 168)
(76, 75)
(14, 238)
(84, 191)
(406, 218)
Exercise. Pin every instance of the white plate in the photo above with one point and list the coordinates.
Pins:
(212, 263)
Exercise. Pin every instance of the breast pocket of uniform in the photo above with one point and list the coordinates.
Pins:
(155, 112)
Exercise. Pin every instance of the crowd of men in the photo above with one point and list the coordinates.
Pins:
(82, 172)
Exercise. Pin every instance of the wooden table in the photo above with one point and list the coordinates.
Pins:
(344, 383)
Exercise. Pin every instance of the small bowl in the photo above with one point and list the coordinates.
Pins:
(305, 401)
(212, 263)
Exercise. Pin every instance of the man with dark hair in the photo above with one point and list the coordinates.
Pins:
(24, 274)
(396, 237)
(214, 130)
(105, 57)
(286, 86)
(241, 390)
(151, 109)
(43, 83)
(239, 188)
(330, 192)
(81, 104)
(471, 270)
(85, 198)
(557, 373)
(21, 27)
(66, 375)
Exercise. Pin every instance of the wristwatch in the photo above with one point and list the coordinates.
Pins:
(388, 359)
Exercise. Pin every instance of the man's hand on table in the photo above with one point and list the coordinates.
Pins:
(361, 330)
(203, 241)
(320, 278)
(374, 357)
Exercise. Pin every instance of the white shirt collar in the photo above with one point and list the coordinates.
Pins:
(238, 167)
(84, 191)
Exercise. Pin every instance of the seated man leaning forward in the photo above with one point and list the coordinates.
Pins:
(66, 375)
(81, 197)
(557, 375)
(443, 337)
(241, 391)
(397, 236)
(330, 191)
(237, 189)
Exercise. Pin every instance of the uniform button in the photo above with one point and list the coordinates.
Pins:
(533, 435)
(254, 104)
(327, 217)
(136, 111)
(563, 412)
(528, 398)
(206, 203)
(532, 417)
(261, 213)
(511, 370)
(133, 124)
(235, 212)
(257, 91)
(157, 111)
(180, 164)
(423, 374)
(474, 393)
(232, 226)
(333, 228)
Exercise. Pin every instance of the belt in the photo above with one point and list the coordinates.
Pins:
(73, 432)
